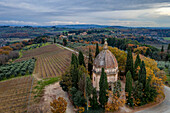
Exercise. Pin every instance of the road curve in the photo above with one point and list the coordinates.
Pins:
(164, 107)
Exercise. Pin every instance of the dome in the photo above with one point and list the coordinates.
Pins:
(105, 59)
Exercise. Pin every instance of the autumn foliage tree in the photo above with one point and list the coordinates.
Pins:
(114, 103)
(58, 105)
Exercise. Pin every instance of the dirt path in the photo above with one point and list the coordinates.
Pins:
(55, 91)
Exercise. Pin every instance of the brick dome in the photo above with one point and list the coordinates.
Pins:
(105, 59)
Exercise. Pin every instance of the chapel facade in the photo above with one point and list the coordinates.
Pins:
(105, 59)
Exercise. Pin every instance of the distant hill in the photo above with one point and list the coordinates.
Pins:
(87, 26)
(81, 26)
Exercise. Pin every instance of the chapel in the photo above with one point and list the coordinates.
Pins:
(105, 59)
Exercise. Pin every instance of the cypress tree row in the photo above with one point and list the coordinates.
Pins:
(103, 88)
(128, 87)
(137, 63)
(97, 50)
(90, 63)
(129, 63)
(81, 59)
(142, 74)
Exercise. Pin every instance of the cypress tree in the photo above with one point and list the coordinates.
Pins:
(89, 89)
(74, 75)
(81, 59)
(103, 87)
(93, 101)
(102, 41)
(74, 60)
(64, 42)
(90, 63)
(148, 52)
(129, 63)
(128, 86)
(162, 49)
(137, 63)
(74, 70)
(142, 74)
(54, 40)
(97, 49)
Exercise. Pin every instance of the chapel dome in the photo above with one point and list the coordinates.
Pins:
(105, 59)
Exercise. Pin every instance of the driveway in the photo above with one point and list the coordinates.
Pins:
(164, 107)
(54, 91)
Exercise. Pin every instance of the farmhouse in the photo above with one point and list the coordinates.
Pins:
(105, 59)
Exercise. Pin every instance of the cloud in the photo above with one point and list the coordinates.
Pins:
(57, 12)
(13, 22)
(62, 23)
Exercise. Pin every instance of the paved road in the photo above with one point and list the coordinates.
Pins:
(164, 107)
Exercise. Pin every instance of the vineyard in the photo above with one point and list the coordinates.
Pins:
(51, 60)
(16, 69)
(15, 94)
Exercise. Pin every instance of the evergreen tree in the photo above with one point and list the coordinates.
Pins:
(128, 87)
(54, 40)
(142, 74)
(129, 63)
(162, 49)
(74, 75)
(138, 91)
(148, 52)
(82, 73)
(168, 49)
(89, 89)
(103, 98)
(74, 60)
(90, 63)
(64, 42)
(102, 41)
(168, 46)
(149, 93)
(97, 50)
(74, 70)
(93, 101)
(81, 59)
(137, 63)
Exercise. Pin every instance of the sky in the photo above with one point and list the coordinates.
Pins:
(135, 13)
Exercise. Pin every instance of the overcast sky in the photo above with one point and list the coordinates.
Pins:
(145, 13)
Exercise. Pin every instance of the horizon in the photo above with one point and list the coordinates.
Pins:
(130, 13)
(66, 25)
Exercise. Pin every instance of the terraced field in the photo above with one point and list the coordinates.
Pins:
(51, 60)
(15, 94)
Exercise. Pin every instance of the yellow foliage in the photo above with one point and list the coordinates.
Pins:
(139, 49)
(151, 69)
(121, 57)
(114, 103)
(58, 105)
(81, 109)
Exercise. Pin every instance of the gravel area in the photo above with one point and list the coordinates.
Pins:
(55, 91)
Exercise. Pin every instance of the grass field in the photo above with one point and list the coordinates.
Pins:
(15, 94)
(166, 38)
